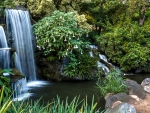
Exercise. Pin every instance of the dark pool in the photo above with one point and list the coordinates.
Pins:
(138, 77)
(72, 89)
(81, 89)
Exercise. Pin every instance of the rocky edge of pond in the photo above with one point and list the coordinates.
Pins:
(137, 101)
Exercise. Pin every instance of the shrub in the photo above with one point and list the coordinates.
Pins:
(82, 66)
(59, 34)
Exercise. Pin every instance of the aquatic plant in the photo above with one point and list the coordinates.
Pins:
(112, 83)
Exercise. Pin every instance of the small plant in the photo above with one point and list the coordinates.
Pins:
(112, 83)
(4, 102)
(6, 71)
(81, 65)
(5, 81)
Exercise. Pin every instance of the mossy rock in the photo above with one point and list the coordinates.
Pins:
(16, 72)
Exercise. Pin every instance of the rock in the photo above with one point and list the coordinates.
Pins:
(116, 104)
(122, 108)
(123, 97)
(146, 84)
(135, 89)
(135, 97)
(49, 69)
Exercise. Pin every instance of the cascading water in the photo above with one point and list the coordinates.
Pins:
(17, 62)
(103, 63)
(18, 23)
(103, 57)
(4, 51)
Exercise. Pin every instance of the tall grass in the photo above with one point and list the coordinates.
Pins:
(112, 83)
(56, 106)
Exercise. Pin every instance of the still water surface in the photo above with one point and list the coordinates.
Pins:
(51, 90)
(69, 90)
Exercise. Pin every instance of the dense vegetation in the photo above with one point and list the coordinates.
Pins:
(66, 28)
(120, 28)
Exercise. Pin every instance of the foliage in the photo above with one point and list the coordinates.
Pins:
(4, 102)
(82, 66)
(5, 81)
(125, 39)
(112, 83)
(6, 71)
(127, 45)
(59, 33)
(7, 3)
(40, 8)
(45, 8)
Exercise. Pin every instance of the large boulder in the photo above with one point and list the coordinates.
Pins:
(51, 70)
(123, 97)
(135, 89)
(122, 108)
(146, 84)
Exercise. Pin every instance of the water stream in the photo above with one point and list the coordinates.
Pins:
(4, 50)
(19, 25)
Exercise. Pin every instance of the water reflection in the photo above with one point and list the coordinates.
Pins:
(138, 77)
(69, 90)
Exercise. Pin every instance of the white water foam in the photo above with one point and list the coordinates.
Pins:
(31, 85)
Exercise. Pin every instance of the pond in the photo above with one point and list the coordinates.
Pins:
(63, 90)
(138, 77)
(50, 90)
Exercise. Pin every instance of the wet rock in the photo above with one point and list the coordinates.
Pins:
(123, 97)
(49, 69)
(116, 104)
(122, 108)
(135, 89)
(146, 84)
(135, 97)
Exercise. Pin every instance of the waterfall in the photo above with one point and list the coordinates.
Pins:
(4, 50)
(18, 23)
(103, 67)
(103, 63)
(17, 62)
(20, 88)
(103, 57)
